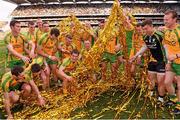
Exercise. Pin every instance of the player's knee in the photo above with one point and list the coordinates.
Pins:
(14, 97)
(43, 77)
(178, 87)
(167, 83)
(27, 88)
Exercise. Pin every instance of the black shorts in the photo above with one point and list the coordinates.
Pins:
(156, 67)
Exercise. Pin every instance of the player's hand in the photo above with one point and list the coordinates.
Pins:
(32, 55)
(69, 78)
(139, 61)
(46, 69)
(25, 59)
(41, 101)
(132, 59)
(65, 51)
(54, 58)
(117, 47)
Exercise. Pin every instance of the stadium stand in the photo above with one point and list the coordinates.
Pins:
(89, 10)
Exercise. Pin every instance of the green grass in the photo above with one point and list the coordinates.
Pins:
(2, 57)
(2, 70)
(104, 107)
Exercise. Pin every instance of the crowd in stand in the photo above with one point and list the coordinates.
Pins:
(39, 10)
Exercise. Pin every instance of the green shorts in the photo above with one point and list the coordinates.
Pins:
(176, 68)
(13, 63)
(50, 62)
(16, 87)
(109, 57)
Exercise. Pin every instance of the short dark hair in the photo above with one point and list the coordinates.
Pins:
(138, 24)
(45, 23)
(147, 22)
(69, 36)
(31, 23)
(173, 12)
(35, 68)
(16, 70)
(74, 51)
(55, 31)
(13, 22)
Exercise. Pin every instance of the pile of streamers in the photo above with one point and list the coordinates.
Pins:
(61, 106)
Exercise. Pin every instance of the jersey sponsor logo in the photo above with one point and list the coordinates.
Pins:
(151, 43)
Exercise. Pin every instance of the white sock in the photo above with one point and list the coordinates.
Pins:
(160, 99)
(151, 93)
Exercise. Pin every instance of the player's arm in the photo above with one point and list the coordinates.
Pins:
(60, 48)
(26, 49)
(15, 53)
(63, 74)
(139, 53)
(33, 46)
(7, 104)
(36, 90)
(42, 53)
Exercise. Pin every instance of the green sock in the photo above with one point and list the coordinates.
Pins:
(178, 103)
(172, 96)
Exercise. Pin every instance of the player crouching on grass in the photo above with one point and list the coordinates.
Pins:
(19, 83)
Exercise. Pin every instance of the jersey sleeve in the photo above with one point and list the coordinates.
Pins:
(42, 39)
(28, 75)
(161, 35)
(7, 38)
(23, 36)
(65, 62)
(5, 87)
(5, 82)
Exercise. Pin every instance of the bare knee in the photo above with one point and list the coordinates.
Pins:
(26, 88)
(43, 76)
(47, 71)
(168, 82)
(14, 97)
